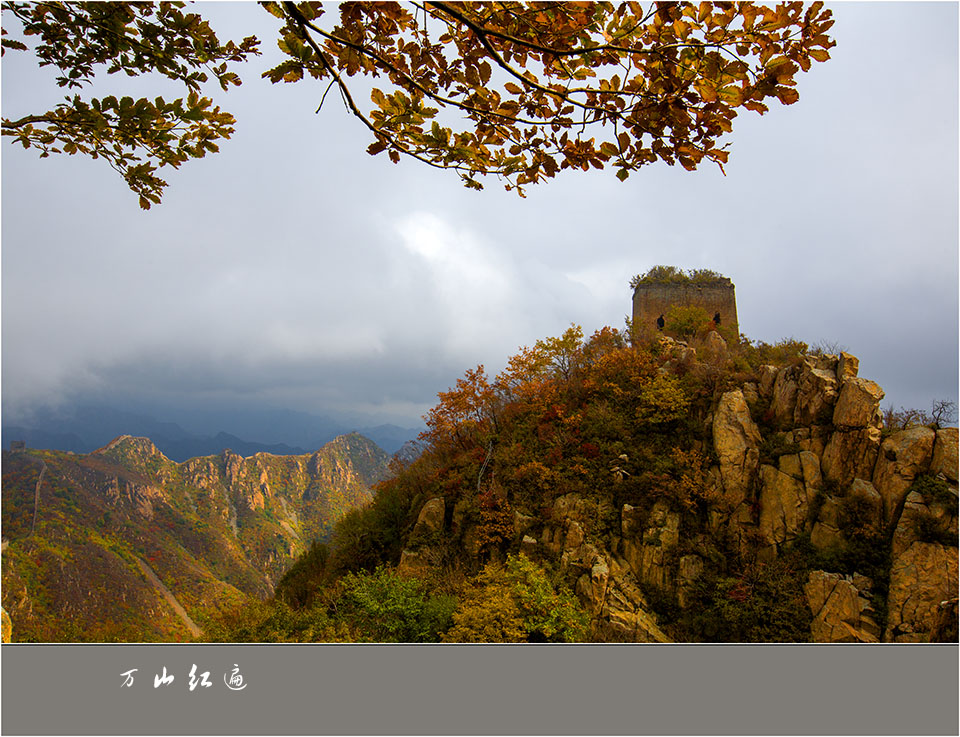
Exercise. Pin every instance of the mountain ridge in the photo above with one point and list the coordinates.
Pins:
(215, 530)
(88, 427)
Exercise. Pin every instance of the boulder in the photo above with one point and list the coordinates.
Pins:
(945, 453)
(841, 608)
(944, 628)
(858, 405)
(523, 522)
(591, 587)
(784, 503)
(905, 534)
(871, 503)
(920, 579)
(574, 537)
(810, 468)
(648, 558)
(768, 377)
(847, 367)
(715, 346)
(736, 441)
(751, 395)
(826, 529)
(849, 455)
(917, 512)
(817, 391)
(783, 403)
(812, 439)
(903, 456)
(430, 519)
(624, 616)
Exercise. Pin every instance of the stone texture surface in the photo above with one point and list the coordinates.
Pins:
(826, 529)
(849, 455)
(817, 391)
(903, 456)
(841, 608)
(689, 571)
(847, 367)
(945, 454)
(858, 404)
(715, 347)
(784, 503)
(920, 579)
(647, 557)
(430, 518)
(768, 377)
(783, 403)
(736, 441)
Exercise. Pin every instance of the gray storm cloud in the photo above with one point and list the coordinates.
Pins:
(292, 269)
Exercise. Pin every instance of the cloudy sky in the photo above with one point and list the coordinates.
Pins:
(292, 270)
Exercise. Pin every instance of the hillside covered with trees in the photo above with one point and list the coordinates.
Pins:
(123, 544)
(629, 486)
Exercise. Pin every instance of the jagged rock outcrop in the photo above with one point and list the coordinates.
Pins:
(736, 440)
(420, 555)
(791, 460)
(858, 405)
(903, 456)
(921, 578)
(945, 460)
(817, 388)
(841, 608)
(784, 504)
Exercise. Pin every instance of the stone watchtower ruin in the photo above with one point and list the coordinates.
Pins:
(715, 294)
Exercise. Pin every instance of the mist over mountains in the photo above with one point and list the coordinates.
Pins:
(84, 428)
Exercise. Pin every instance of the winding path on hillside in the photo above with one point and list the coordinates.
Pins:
(171, 599)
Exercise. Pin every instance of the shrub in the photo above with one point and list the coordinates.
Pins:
(935, 491)
(672, 275)
(662, 400)
(686, 322)
(932, 529)
(487, 613)
(549, 614)
(273, 621)
(517, 602)
(776, 445)
(766, 603)
(385, 607)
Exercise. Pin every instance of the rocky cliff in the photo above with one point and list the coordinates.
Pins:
(124, 544)
(801, 518)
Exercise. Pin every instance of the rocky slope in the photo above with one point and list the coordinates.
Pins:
(804, 494)
(124, 544)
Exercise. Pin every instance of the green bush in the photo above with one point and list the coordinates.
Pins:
(766, 603)
(517, 602)
(932, 529)
(385, 607)
(935, 491)
(272, 621)
(776, 445)
(672, 275)
(685, 322)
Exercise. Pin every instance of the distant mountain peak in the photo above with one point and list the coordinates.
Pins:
(125, 444)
